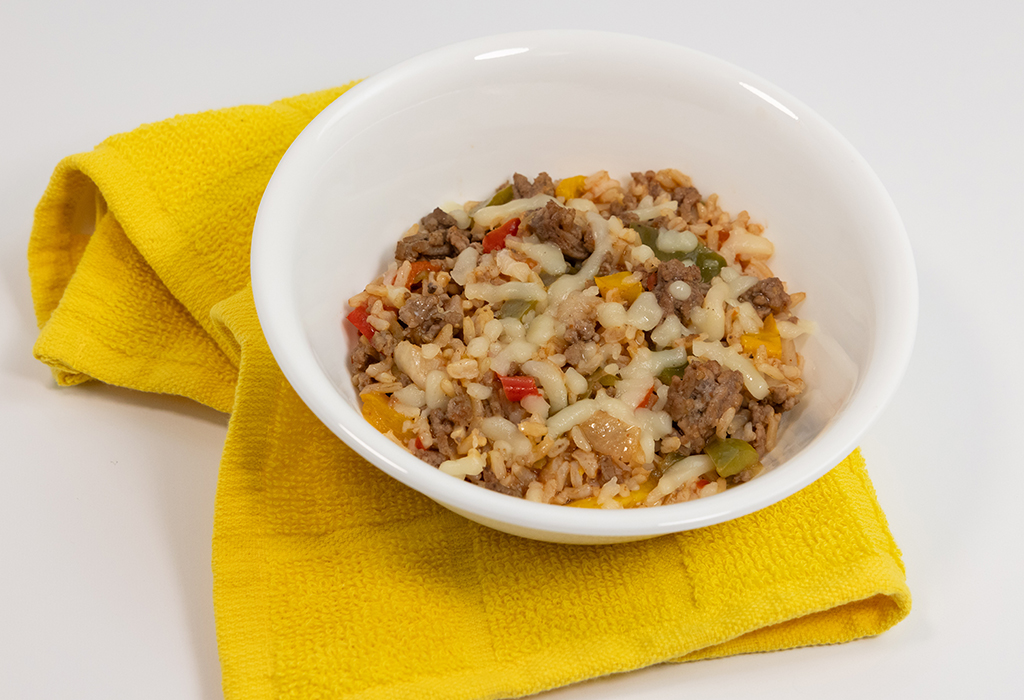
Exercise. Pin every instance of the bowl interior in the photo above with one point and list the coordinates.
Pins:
(454, 124)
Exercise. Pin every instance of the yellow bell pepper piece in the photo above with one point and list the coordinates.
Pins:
(630, 500)
(629, 287)
(381, 416)
(635, 498)
(768, 337)
(570, 187)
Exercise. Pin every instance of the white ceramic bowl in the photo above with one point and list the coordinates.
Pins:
(454, 123)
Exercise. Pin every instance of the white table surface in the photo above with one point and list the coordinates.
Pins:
(106, 496)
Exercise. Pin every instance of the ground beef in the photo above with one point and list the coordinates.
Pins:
(418, 309)
(557, 225)
(384, 342)
(607, 265)
(762, 416)
(608, 468)
(574, 353)
(441, 429)
(628, 218)
(458, 414)
(459, 239)
(424, 245)
(453, 313)
(698, 400)
(687, 197)
(438, 237)
(437, 220)
(580, 330)
(522, 188)
(659, 222)
(361, 380)
(768, 297)
(460, 410)
(649, 182)
(431, 457)
(783, 397)
(362, 357)
(499, 405)
(425, 315)
(616, 209)
(489, 481)
(623, 209)
(673, 270)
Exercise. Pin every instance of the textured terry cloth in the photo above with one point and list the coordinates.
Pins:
(330, 578)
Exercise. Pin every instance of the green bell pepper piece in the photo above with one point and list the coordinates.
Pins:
(502, 196)
(709, 262)
(731, 456)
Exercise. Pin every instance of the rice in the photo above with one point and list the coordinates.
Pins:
(574, 342)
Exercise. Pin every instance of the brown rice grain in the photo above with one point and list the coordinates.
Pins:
(382, 388)
(497, 461)
(541, 450)
(579, 438)
(533, 428)
(575, 474)
(588, 461)
(445, 336)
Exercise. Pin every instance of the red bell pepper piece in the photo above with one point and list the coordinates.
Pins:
(650, 399)
(495, 240)
(518, 388)
(359, 319)
(419, 270)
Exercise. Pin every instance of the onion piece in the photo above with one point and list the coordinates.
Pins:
(610, 436)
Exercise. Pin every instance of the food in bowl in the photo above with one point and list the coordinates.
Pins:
(454, 122)
(583, 342)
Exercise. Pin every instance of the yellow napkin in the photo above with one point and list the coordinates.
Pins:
(333, 580)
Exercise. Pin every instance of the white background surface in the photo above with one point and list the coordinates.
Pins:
(106, 496)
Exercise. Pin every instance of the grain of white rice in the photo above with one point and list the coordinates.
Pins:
(479, 391)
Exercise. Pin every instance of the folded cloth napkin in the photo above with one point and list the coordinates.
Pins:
(330, 578)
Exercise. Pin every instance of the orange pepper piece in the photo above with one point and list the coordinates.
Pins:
(630, 500)
(628, 287)
(768, 336)
(571, 187)
(378, 413)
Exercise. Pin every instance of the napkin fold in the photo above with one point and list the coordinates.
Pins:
(330, 578)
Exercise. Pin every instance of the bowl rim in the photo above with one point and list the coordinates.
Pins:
(273, 300)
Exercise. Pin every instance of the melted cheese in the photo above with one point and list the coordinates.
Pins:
(645, 313)
(497, 428)
(490, 217)
(651, 364)
(550, 378)
(676, 241)
(548, 256)
(680, 473)
(491, 293)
